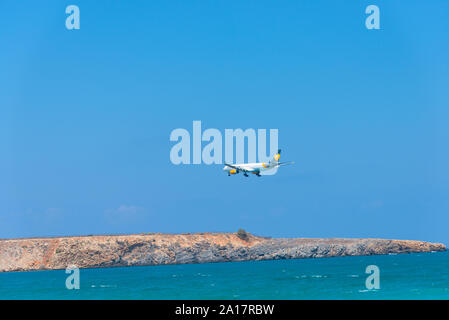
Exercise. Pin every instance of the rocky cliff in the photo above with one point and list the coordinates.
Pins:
(159, 249)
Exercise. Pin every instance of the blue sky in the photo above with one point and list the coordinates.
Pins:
(86, 117)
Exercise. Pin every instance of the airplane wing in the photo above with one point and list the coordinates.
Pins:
(285, 163)
(232, 166)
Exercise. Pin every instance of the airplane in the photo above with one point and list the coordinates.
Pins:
(255, 168)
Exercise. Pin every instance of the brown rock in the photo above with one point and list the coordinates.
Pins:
(160, 249)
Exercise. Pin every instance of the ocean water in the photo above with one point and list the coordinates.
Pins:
(402, 276)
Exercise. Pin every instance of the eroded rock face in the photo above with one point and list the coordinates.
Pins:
(160, 249)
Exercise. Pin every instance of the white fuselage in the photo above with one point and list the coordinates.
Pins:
(254, 168)
(250, 167)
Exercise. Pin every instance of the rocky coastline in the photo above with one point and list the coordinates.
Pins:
(163, 249)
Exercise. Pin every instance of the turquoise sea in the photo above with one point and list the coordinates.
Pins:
(403, 276)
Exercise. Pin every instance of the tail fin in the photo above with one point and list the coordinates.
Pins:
(275, 159)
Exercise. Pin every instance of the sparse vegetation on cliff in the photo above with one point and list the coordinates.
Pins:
(242, 234)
